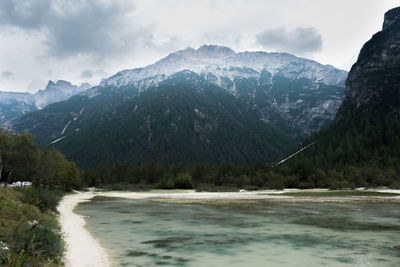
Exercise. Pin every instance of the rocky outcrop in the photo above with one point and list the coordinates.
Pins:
(374, 78)
(366, 129)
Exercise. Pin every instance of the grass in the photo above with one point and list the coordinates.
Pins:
(29, 229)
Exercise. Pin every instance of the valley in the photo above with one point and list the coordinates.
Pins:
(254, 151)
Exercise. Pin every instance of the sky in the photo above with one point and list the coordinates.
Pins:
(87, 40)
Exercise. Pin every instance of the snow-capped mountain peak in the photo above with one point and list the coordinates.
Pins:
(57, 91)
(223, 62)
(65, 86)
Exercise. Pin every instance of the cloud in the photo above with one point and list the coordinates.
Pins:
(300, 41)
(24, 13)
(88, 74)
(70, 28)
(7, 75)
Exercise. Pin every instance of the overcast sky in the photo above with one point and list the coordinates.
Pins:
(86, 40)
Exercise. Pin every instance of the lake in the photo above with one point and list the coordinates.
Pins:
(245, 233)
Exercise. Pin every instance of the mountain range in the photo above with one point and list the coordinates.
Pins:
(14, 105)
(194, 106)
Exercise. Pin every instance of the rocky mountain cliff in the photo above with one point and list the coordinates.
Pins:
(366, 130)
(375, 75)
(14, 105)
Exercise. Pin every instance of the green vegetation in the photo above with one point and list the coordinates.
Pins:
(22, 160)
(358, 140)
(29, 231)
(231, 177)
(183, 119)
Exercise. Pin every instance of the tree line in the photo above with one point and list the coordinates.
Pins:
(232, 177)
(22, 160)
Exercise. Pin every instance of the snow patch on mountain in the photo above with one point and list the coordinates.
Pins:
(57, 140)
(224, 63)
(65, 128)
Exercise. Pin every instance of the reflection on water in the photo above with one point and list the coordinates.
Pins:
(262, 233)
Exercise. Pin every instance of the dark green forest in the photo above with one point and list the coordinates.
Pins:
(183, 119)
(232, 177)
(347, 165)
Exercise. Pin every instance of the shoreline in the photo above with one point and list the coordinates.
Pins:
(83, 249)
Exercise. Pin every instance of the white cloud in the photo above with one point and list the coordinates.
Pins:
(300, 41)
(56, 39)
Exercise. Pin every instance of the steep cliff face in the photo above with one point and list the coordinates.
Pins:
(366, 129)
(374, 80)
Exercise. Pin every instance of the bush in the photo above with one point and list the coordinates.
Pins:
(166, 183)
(42, 198)
(184, 181)
(38, 238)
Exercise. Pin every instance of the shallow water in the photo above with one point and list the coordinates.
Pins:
(256, 233)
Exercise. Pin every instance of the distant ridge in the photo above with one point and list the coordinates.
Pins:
(14, 105)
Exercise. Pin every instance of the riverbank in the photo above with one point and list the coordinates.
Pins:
(84, 250)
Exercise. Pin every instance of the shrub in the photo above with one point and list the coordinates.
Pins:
(166, 183)
(183, 181)
(42, 198)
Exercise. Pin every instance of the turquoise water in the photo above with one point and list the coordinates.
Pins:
(256, 233)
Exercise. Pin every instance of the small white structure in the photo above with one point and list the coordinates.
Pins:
(26, 183)
(21, 184)
(16, 184)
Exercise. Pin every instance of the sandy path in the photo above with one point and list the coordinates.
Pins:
(84, 250)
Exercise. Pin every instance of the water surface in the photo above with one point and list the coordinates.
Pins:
(246, 233)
